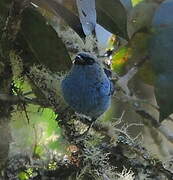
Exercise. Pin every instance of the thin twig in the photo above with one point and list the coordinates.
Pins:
(13, 99)
(165, 131)
(105, 177)
(142, 152)
(124, 80)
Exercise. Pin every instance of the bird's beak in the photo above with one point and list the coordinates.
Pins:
(78, 60)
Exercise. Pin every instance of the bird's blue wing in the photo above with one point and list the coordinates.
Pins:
(112, 87)
(109, 75)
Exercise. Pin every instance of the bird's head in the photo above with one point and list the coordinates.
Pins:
(84, 58)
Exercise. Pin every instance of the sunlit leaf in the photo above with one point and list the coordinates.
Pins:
(43, 131)
(120, 60)
(38, 151)
(102, 35)
(87, 15)
(135, 2)
(134, 51)
(23, 176)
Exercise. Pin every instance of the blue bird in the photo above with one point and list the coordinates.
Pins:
(87, 88)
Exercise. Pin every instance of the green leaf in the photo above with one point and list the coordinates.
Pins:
(127, 56)
(161, 51)
(38, 43)
(4, 7)
(112, 16)
(120, 60)
(140, 17)
(87, 15)
(164, 95)
(135, 2)
(163, 15)
(127, 4)
(139, 45)
(60, 10)
(23, 176)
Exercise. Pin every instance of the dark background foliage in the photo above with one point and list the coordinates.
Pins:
(40, 135)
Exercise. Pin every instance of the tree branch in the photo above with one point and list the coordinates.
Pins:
(123, 81)
(14, 99)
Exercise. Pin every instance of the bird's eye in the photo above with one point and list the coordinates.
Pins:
(83, 60)
(78, 58)
(89, 61)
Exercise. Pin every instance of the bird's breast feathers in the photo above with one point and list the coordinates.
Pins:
(87, 90)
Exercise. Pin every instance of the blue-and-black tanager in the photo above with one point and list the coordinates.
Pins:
(87, 88)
